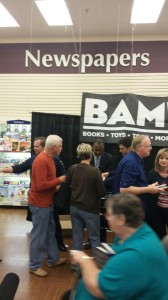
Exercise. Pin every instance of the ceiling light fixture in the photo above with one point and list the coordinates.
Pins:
(6, 19)
(55, 12)
(146, 11)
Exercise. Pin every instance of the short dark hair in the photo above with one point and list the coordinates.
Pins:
(98, 142)
(42, 140)
(126, 141)
(128, 205)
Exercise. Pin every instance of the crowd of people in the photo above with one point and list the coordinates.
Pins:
(134, 200)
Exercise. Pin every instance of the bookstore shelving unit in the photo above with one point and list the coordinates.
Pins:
(14, 149)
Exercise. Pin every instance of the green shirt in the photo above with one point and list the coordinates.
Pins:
(138, 270)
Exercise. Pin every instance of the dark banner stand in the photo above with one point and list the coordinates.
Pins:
(68, 127)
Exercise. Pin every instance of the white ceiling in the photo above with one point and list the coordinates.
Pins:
(92, 19)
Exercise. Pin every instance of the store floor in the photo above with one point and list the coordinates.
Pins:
(14, 250)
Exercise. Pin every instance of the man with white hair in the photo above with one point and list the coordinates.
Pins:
(43, 186)
(130, 176)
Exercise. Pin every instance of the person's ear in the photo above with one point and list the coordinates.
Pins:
(122, 219)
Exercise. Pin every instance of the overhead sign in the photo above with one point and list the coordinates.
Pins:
(84, 58)
(111, 117)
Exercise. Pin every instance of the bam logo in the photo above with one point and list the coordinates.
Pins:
(96, 112)
(114, 116)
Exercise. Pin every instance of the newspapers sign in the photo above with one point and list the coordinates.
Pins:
(111, 117)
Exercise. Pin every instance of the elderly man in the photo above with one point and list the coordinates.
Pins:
(136, 271)
(39, 144)
(43, 186)
(130, 175)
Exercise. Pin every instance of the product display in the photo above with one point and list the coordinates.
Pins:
(15, 145)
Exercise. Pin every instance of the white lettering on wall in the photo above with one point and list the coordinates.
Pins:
(85, 61)
(30, 57)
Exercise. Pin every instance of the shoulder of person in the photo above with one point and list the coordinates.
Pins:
(152, 173)
(56, 159)
(107, 155)
(71, 168)
(32, 158)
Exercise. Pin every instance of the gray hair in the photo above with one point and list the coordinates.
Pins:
(128, 205)
(137, 141)
(84, 151)
(53, 140)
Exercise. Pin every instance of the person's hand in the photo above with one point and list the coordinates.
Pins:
(105, 174)
(78, 256)
(62, 178)
(57, 187)
(154, 189)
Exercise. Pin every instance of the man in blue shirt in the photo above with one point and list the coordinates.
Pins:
(130, 175)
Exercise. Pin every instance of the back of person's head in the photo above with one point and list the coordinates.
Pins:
(161, 153)
(53, 140)
(42, 140)
(137, 141)
(84, 151)
(126, 141)
(128, 205)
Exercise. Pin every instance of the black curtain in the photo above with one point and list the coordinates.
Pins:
(66, 126)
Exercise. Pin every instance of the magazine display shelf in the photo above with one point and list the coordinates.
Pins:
(15, 147)
(13, 187)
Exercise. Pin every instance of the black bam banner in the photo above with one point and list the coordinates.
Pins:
(111, 117)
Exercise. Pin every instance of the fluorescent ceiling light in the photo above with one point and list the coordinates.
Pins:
(6, 19)
(55, 12)
(146, 11)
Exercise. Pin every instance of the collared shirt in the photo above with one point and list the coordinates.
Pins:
(130, 172)
(96, 160)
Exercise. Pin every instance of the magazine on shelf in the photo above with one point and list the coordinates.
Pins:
(102, 254)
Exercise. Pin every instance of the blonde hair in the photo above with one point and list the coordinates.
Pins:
(84, 151)
(137, 141)
(158, 155)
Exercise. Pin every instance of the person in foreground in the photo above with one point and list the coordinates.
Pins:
(43, 186)
(139, 268)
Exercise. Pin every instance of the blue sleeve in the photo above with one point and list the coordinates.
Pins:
(25, 166)
(130, 175)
